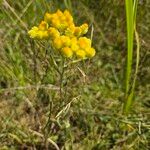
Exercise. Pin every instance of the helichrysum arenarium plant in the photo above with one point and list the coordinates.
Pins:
(64, 36)
(66, 40)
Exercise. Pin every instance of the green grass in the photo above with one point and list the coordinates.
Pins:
(131, 10)
(31, 113)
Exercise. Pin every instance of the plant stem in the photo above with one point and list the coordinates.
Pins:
(61, 79)
(129, 18)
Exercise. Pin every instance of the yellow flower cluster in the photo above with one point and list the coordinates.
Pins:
(64, 36)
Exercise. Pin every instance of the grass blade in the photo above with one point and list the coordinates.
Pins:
(131, 11)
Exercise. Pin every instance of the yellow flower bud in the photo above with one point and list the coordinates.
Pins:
(90, 52)
(81, 54)
(63, 18)
(70, 30)
(67, 13)
(84, 42)
(56, 23)
(59, 13)
(84, 28)
(57, 43)
(68, 16)
(77, 31)
(67, 52)
(74, 40)
(55, 16)
(33, 32)
(74, 47)
(39, 32)
(62, 26)
(74, 44)
(53, 32)
(48, 17)
(66, 40)
(42, 34)
(43, 26)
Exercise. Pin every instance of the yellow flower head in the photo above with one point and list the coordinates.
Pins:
(53, 32)
(63, 19)
(33, 32)
(59, 13)
(84, 42)
(70, 30)
(57, 43)
(90, 52)
(48, 17)
(42, 34)
(84, 28)
(43, 26)
(68, 16)
(56, 23)
(74, 47)
(65, 40)
(63, 26)
(74, 44)
(77, 31)
(67, 52)
(81, 54)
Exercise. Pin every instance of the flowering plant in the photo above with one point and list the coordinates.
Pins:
(66, 38)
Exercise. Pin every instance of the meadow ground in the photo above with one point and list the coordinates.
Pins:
(89, 116)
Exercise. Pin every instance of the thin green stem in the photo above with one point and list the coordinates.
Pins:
(61, 79)
(129, 18)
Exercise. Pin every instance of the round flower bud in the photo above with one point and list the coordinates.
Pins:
(54, 33)
(77, 31)
(65, 40)
(84, 28)
(43, 26)
(62, 26)
(81, 54)
(59, 13)
(84, 42)
(33, 32)
(70, 30)
(56, 23)
(67, 52)
(57, 43)
(68, 16)
(42, 34)
(90, 52)
(74, 44)
(48, 17)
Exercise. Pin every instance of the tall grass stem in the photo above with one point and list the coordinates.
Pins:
(131, 11)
